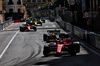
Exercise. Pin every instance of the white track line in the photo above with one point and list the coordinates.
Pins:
(8, 45)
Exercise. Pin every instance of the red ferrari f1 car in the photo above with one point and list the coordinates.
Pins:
(62, 46)
(27, 27)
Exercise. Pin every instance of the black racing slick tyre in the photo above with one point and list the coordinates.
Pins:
(66, 36)
(22, 29)
(47, 40)
(46, 51)
(74, 48)
(35, 29)
(72, 51)
(41, 24)
(44, 37)
(43, 21)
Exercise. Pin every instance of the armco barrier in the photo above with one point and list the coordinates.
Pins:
(5, 24)
(97, 38)
(62, 23)
(79, 32)
(85, 33)
(58, 19)
(1, 28)
(69, 27)
(90, 38)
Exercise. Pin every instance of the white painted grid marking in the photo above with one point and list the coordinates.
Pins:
(8, 45)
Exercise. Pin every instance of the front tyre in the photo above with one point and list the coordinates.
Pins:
(46, 51)
(74, 48)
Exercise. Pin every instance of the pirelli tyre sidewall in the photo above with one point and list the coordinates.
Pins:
(22, 29)
(34, 28)
(46, 51)
(74, 48)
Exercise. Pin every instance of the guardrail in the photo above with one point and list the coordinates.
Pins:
(5, 24)
(89, 37)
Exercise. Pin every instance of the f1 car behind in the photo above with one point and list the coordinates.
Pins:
(50, 33)
(53, 35)
(34, 21)
(37, 23)
(62, 47)
(27, 27)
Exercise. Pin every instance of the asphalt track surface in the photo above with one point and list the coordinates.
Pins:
(26, 49)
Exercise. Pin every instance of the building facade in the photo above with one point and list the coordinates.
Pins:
(87, 14)
(93, 10)
(33, 3)
(14, 8)
(2, 18)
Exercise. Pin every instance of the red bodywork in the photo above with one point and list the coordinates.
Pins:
(27, 25)
(60, 43)
(59, 47)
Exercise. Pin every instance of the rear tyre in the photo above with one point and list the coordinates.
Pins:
(41, 23)
(22, 29)
(35, 29)
(44, 37)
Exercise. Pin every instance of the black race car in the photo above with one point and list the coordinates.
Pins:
(50, 32)
(36, 22)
